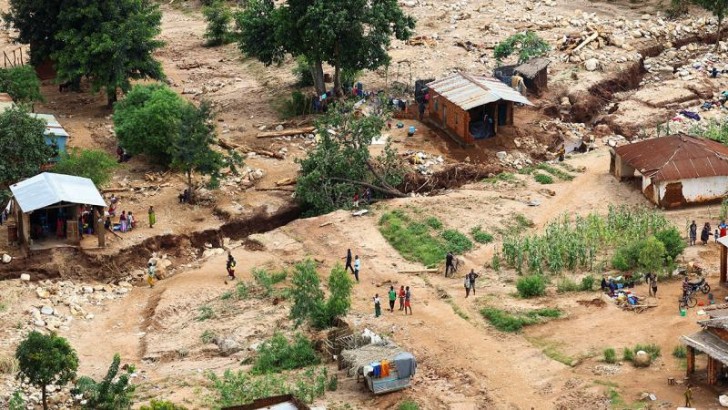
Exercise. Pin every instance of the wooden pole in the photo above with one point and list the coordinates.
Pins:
(723, 264)
(99, 225)
(690, 361)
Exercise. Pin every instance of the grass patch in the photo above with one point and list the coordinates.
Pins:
(566, 284)
(605, 383)
(241, 290)
(558, 173)
(502, 177)
(267, 280)
(480, 236)
(680, 352)
(419, 240)
(543, 179)
(458, 311)
(652, 349)
(610, 355)
(408, 405)
(514, 322)
(627, 354)
(571, 168)
(531, 286)
(227, 295)
(205, 313)
(277, 354)
(522, 221)
(553, 350)
(207, 336)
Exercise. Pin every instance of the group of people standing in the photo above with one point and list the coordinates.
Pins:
(127, 220)
(405, 300)
(706, 232)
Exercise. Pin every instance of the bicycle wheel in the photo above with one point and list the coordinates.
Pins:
(705, 289)
(692, 302)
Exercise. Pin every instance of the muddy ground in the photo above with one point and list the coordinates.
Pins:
(465, 363)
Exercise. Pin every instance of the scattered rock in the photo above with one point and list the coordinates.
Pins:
(25, 277)
(642, 359)
(591, 64)
(7, 258)
(46, 310)
(227, 346)
(42, 293)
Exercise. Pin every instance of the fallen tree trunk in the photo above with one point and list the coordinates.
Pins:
(587, 41)
(395, 193)
(286, 133)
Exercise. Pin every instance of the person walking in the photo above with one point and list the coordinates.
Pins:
(230, 266)
(705, 234)
(401, 295)
(151, 274)
(693, 233)
(689, 396)
(392, 298)
(471, 280)
(377, 306)
(357, 265)
(152, 217)
(449, 267)
(348, 261)
(407, 300)
(653, 284)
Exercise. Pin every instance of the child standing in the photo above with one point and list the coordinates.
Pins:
(357, 265)
(407, 300)
(230, 266)
(151, 270)
(377, 306)
(401, 297)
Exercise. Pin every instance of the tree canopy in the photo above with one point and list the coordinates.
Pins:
(218, 17)
(37, 23)
(46, 359)
(23, 146)
(21, 83)
(528, 44)
(347, 34)
(95, 165)
(341, 165)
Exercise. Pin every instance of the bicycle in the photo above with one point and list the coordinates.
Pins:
(687, 301)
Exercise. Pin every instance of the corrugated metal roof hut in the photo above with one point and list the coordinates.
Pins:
(48, 207)
(535, 74)
(472, 107)
(676, 170)
(712, 340)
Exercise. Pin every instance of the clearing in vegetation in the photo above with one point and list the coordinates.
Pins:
(420, 241)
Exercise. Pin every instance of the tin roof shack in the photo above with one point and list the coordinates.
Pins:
(676, 170)
(471, 108)
(52, 208)
(534, 73)
(55, 136)
(712, 340)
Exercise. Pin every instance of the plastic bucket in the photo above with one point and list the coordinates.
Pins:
(683, 312)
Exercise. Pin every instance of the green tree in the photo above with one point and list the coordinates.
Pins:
(652, 255)
(23, 147)
(528, 44)
(109, 41)
(339, 300)
(341, 164)
(114, 392)
(37, 24)
(218, 17)
(88, 163)
(306, 292)
(719, 8)
(46, 359)
(673, 241)
(191, 151)
(21, 83)
(348, 34)
(147, 121)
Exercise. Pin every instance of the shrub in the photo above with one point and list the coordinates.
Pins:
(673, 241)
(610, 356)
(480, 236)
(495, 262)
(208, 336)
(227, 295)
(531, 286)
(277, 354)
(266, 280)
(339, 300)
(543, 179)
(522, 221)
(21, 83)
(456, 241)
(241, 290)
(680, 352)
(308, 298)
(297, 104)
(16, 401)
(587, 283)
(113, 392)
(528, 44)
(205, 312)
(162, 405)
(652, 349)
(627, 354)
(218, 17)
(566, 284)
(333, 383)
(302, 72)
(95, 165)
(651, 254)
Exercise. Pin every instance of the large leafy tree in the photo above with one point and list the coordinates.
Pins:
(110, 42)
(348, 34)
(23, 147)
(37, 23)
(719, 8)
(93, 164)
(46, 359)
(342, 165)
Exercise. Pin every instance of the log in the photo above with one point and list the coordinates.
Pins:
(585, 42)
(282, 188)
(286, 181)
(286, 133)
(270, 154)
(325, 224)
(227, 144)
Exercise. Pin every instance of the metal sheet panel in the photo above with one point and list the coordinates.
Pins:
(469, 91)
(47, 189)
(676, 157)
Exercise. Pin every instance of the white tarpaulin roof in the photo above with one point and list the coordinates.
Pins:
(47, 189)
(470, 91)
